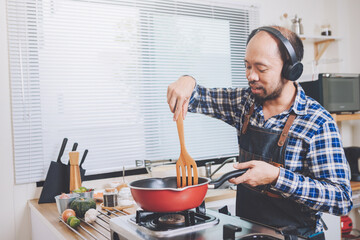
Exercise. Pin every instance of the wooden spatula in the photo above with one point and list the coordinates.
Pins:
(185, 163)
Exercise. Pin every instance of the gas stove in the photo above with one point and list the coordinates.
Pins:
(191, 224)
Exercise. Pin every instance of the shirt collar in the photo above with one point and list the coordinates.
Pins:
(299, 105)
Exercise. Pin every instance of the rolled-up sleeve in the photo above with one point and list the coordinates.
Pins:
(326, 187)
(226, 104)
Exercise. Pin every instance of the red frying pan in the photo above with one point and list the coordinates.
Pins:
(162, 194)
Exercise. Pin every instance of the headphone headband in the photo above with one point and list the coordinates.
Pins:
(283, 40)
(290, 71)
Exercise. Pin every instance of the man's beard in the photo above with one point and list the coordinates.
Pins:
(273, 95)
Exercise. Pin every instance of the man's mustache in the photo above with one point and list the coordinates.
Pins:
(253, 84)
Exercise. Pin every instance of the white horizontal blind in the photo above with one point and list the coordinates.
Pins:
(97, 72)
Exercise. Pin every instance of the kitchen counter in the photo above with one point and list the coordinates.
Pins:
(46, 214)
(45, 217)
(355, 185)
(47, 222)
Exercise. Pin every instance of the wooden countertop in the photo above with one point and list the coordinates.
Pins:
(355, 185)
(219, 194)
(50, 216)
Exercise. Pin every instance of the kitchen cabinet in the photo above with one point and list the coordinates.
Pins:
(355, 186)
(354, 213)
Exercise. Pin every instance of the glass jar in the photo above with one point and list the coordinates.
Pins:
(326, 30)
(110, 197)
(125, 197)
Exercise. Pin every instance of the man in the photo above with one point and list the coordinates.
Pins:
(288, 142)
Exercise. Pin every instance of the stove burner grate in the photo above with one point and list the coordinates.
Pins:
(172, 219)
(167, 221)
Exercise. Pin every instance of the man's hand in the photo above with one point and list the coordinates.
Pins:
(178, 95)
(259, 173)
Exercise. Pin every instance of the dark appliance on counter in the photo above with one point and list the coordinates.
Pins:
(336, 92)
(353, 156)
(199, 224)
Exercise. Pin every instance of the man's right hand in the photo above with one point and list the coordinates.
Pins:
(178, 95)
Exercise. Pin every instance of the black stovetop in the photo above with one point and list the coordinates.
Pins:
(198, 226)
(156, 221)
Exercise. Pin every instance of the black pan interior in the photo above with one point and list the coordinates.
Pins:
(168, 182)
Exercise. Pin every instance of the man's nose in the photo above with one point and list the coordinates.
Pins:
(252, 75)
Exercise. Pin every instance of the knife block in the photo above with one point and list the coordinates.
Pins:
(75, 179)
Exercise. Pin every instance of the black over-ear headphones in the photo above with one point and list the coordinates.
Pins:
(291, 70)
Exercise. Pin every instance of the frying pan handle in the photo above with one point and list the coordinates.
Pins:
(218, 182)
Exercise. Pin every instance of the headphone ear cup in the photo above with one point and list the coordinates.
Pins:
(285, 70)
(292, 72)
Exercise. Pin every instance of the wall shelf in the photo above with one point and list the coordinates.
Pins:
(321, 43)
(317, 38)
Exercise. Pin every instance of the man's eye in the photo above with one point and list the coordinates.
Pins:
(262, 70)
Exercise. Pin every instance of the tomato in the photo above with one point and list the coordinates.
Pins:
(67, 213)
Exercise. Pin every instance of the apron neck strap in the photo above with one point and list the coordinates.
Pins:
(285, 131)
(247, 119)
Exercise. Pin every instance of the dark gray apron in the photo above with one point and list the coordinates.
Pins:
(260, 204)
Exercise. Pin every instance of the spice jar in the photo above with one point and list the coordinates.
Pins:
(110, 197)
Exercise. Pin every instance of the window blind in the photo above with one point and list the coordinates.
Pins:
(97, 73)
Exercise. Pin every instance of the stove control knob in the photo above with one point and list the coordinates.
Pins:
(229, 231)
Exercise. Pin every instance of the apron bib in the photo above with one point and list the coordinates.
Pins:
(260, 204)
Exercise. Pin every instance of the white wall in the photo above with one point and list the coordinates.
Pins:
(7, 226)
(342, 15)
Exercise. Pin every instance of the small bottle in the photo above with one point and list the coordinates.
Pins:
(295, 27)
(110, 197)
(301, 27)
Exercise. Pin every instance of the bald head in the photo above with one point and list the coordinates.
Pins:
(265, 47)
(292, 40)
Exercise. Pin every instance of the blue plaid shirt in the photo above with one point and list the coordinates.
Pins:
(316, 173)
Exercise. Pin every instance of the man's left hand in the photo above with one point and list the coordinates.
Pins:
(258, 173)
